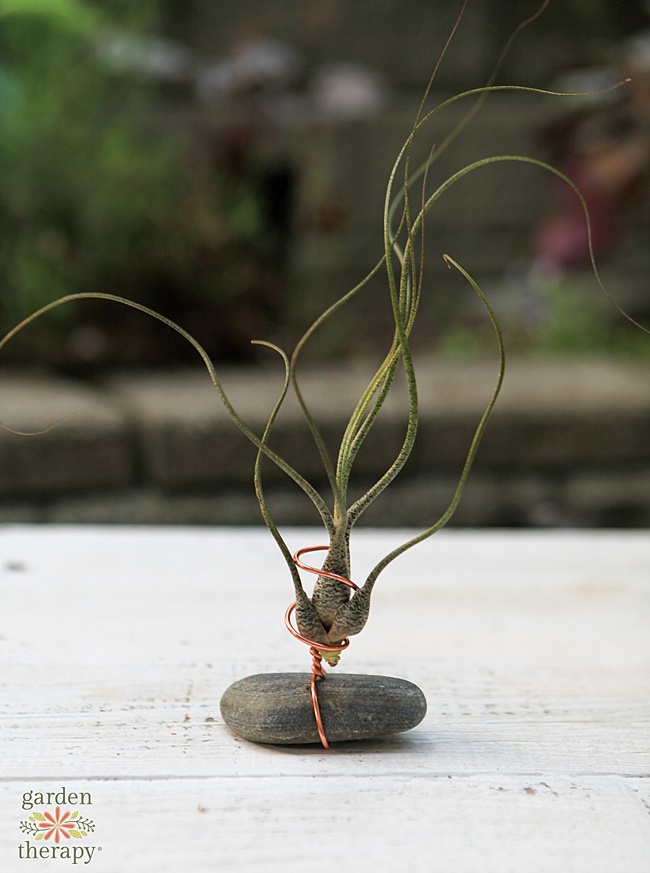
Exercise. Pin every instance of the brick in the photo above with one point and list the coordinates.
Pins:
(159, 448)
(89, 449)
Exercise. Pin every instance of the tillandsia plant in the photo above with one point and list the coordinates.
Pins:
(334, 612)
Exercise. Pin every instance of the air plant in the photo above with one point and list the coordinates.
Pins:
(334, 612)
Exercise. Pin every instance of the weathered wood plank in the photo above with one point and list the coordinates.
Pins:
(191, 594)
(532, 649)
(468, 825)
(163, 721)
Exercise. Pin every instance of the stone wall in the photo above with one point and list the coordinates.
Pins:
(569, 444)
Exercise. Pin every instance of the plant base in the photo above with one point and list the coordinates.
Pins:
(276, 708)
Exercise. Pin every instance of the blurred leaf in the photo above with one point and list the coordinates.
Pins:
(72, 14)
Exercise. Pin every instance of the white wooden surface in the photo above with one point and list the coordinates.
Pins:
(533, 649)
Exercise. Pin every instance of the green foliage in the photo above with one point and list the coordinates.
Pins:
(82, 188)
(561, 318)
(94, 193)
(71, 15)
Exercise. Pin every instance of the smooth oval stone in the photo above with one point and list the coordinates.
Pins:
(276, 707)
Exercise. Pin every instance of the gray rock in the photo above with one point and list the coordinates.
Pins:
(276, 708)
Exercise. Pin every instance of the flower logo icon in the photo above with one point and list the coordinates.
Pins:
(57, 825)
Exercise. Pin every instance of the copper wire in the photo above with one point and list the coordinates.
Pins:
(315, 648)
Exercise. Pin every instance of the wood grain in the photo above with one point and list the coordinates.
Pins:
(532, 649)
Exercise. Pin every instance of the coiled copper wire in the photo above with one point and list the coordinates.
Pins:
(315, 649)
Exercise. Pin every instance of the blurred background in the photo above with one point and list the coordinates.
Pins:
(226, 165)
